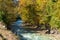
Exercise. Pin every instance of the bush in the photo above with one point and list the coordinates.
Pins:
(1, 13)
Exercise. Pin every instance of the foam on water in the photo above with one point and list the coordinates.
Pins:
(26, 36)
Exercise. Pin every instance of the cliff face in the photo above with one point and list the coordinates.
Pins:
(6, 34)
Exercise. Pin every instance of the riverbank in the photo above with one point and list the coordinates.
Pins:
(23, 34)
(6, 34)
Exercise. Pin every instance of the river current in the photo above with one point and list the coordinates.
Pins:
(26, 35)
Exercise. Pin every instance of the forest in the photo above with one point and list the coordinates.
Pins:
(34, 12)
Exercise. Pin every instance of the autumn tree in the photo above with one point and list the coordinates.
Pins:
(9, 7)
(40, 11)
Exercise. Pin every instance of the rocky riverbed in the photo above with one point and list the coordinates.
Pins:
(6, 34)
(31, 35)
(22, 34)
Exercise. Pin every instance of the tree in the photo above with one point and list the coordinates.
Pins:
(10, 11)
(28, 11)
(38, 11)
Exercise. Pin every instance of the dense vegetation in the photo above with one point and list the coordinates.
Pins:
(35, 12)
(10, 11)
(41, 12)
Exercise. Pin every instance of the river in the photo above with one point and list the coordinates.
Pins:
(26, 35)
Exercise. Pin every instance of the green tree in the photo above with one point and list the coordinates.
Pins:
(1, 13)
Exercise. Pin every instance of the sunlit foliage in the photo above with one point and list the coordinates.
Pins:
(42, 11)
